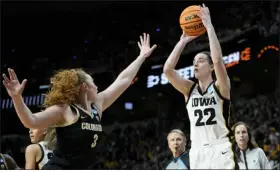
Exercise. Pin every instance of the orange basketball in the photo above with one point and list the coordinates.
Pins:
(190, 22)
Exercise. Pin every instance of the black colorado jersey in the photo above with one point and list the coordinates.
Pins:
(76, 143)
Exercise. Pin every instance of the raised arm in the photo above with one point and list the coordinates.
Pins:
(51, 116)
(223, 81)
(181, 84)
(123, 81)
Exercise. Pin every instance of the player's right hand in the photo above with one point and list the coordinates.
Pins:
(14, 88)
(187, 38)
(144, 45)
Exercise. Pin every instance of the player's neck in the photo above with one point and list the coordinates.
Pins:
(82, 102)
(203, 84)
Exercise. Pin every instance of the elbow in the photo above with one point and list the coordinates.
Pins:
(30, 124)
(167, 70)
(27, 125)
(126, 81)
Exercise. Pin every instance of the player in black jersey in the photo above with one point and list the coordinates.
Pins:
(75, 108)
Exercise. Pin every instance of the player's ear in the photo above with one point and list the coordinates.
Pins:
(84, 86)
(212, 67)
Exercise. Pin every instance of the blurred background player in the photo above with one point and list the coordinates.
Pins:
(7, 163)
(75, 108)
(249, 155)
(207, 102)
(177, 144)
(41, 150)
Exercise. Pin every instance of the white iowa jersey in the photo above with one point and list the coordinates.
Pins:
(46, 154)
(209, 114)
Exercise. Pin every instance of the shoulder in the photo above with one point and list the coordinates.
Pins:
(193, 86)
(168, 164)
(185, 155)
(185, 159)
(32, 149)
(60, 107)
(57, 109)
(223, 96)
(43, 144)
(260, 151)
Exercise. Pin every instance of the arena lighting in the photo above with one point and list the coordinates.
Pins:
(42, 87)
(266, 48)
(153, 80)
(156, 66)
(34, 100)
(187, 72)
(128, 105)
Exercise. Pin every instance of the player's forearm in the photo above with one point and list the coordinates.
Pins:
(215, 47)
(130, 72)
(174, 56)
(23, 112)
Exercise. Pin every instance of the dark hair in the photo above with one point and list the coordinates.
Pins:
(251, 144)
(208, 55)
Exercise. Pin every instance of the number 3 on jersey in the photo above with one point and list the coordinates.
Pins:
(201, 114)
(95, 138)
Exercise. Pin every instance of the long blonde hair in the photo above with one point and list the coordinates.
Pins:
(51, 138)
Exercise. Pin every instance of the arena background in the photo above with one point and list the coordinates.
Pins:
(101, 37)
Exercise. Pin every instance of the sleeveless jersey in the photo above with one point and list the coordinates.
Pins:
(76, 143)
(46, 154)
(209, 114)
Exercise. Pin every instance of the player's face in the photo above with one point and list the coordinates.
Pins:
(202, 67)
(176, 142)
(241, 135)
(36, 135)
(91, 89)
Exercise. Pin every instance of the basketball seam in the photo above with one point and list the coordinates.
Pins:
(196, 31)
(188, 12)
(190, 22)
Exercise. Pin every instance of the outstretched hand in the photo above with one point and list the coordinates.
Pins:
(14, 88)
(144, 45)
(187, 38)
(205, 16)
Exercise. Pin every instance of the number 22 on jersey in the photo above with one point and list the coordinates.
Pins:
(210, 112)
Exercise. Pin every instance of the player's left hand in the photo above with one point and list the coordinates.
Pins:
(144, 45)
(205, 16)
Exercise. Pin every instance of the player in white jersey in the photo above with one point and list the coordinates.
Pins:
(207, 101)
(40, 151)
